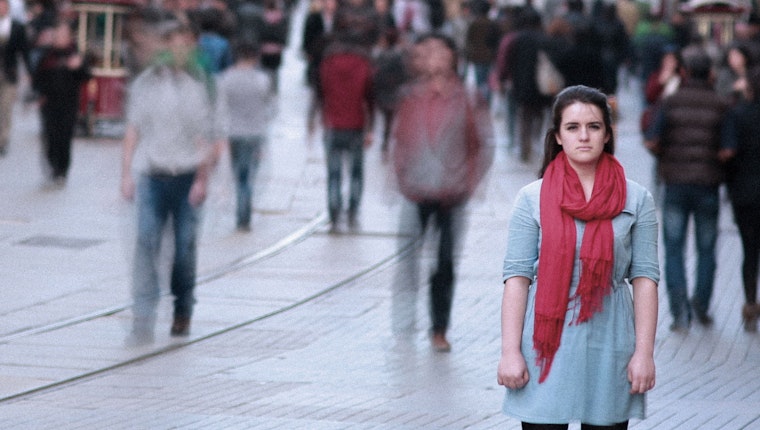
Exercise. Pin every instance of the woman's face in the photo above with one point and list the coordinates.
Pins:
(582, 134)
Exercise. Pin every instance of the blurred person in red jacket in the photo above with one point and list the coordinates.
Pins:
(441, 150)
(346, 95)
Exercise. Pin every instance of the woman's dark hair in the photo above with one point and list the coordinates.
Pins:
(568, 96)
(743, 49)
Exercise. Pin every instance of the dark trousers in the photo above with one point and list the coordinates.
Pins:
(442, 278)
(748, 221)
(58, 123)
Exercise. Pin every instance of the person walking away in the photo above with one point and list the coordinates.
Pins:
(579, 308)
(246, 95)
(317, 33)
(482, 43)
(172, 142)
(442, 149)
(522, 60)
(13, 46)
(57, 79)
(273, 37)
(742, 140)
(686, 139)
(388, 77)
(214, 47)
(346, 93)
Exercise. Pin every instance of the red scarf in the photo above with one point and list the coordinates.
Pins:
(563, 201)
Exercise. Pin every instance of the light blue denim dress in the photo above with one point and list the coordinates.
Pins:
(588, 380)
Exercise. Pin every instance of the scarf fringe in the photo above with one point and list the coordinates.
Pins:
(545, 344)
(595, 283)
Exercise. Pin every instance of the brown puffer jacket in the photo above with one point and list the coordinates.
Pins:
(690, 140)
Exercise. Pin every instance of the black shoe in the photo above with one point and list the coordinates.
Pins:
(180, 326)
(702, 317)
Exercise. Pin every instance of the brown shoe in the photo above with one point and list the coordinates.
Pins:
(750, 317)
(440, 344)
(180, 326)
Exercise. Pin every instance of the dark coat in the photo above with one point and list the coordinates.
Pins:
(522, 60)
(743, 172)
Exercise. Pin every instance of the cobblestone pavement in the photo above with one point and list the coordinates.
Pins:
(293, 323)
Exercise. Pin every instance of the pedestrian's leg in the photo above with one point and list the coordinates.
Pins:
(356, 148)
(706, 212)
(152, 213)
(7, 99)
(387, 123)
(619, 426)
(511, 118)
(531, 426)
(526, 143)
(748, 222)
(334, 155)
(240, 154)
(186, 219)
(405, 287)
(675, 221)
(442, 280)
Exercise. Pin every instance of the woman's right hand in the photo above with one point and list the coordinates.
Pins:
(512, 372)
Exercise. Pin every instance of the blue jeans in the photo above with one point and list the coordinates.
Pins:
(701, 202)
(340, 143)
(245, 154)
(482, 70)
(160, 197)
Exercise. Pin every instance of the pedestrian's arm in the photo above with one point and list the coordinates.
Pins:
(729, 141)
(199, 189)
(129, 145)
(641, 368)
(512, 371)
(653, 134)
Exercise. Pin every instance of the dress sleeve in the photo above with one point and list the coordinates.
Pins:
(644, 254)
(523, 236)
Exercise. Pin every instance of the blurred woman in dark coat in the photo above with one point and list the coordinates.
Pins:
(57, 78)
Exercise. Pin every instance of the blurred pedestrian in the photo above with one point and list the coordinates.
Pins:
(246, 93)
(652, 34)
(742, 138)
(522, 60)
(13, 46)
(482, 43)
(686, 139)
(272, 39)
(57, 79)
(614, 43)
(731, 79)
(172, 142)
(346, 94)
(317, 33)
(389, 75)
(577, 342)
(441, 152)
(215, 48)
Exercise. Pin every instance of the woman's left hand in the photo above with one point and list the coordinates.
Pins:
(641, 373)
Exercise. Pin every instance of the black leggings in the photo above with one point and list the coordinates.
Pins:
(618, 426)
